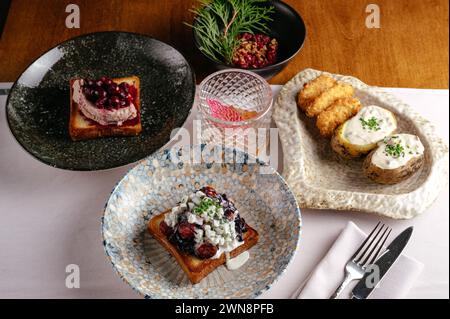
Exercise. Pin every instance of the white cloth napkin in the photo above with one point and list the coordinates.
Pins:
(329, 273)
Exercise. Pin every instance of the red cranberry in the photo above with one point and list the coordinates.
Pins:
(102, 102)
(98, 93)
(262, 39)
(114, 101)
(123, 95)
(209, 191)
(113, 88)
(186, 230)
(124, 86)
(132, 90)
(206, 251)
(86, 90)
(247, 36)
(229, 214)
(123, 103)
(165, 229)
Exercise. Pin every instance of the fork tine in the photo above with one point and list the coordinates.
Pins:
(380, 247)
(377, 243)
(368, 248)
(365, 242)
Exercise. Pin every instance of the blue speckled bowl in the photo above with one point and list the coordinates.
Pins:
(157, 183)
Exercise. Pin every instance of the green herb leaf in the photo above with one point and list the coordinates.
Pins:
(394, 150)
(371, 124)
(205, 204)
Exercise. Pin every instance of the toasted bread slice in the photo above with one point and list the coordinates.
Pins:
(313, 89)
(81, 128)
(196, 268)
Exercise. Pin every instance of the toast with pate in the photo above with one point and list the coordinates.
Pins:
(104, 107)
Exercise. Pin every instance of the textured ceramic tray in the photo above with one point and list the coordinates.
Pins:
(38, 104)
(157, 183)
(322, 180)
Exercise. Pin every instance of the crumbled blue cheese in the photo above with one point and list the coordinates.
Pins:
(184, 199)
(200, 194)
(171, 218)
(194, 219)
(198, 236)
(222, 233)
(202, 210)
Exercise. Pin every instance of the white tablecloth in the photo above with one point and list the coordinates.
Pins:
(50, 218)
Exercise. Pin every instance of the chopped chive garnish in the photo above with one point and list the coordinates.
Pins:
(371, 124)
(394, 150)
(205, 205)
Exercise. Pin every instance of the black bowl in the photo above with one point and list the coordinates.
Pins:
(287, 27)
(38, 104)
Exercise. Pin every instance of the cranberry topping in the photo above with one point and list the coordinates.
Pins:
(106, 94)
(206, 251)
(240, 226)
(229, 214)
(184, 245)
(186, 230)
(255, 51)
(165, 229)
(209, 191)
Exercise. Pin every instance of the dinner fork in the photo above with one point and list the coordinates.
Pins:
(366, 254)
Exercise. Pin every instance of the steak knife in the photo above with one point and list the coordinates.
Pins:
(384, 262)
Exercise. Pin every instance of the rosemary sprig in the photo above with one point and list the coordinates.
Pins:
(219, 23)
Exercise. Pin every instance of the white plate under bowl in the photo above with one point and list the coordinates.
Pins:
(322, 180)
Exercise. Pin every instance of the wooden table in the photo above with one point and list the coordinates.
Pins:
(409, 50)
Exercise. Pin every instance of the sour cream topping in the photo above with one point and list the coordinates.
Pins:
(238, 261)
(397, 150)
(101, 116)
(369, 126)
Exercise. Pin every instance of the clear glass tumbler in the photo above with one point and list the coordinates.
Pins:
(235, 108)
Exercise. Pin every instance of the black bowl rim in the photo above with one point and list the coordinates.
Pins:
(269, 67)
(75, 169)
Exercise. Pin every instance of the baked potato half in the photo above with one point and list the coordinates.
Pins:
(396, 159)
(361, 134)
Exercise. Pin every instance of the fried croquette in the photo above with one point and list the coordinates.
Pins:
(339, 112)
(313, 89)
(324, 100)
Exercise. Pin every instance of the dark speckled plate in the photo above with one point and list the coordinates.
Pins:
(38, 104)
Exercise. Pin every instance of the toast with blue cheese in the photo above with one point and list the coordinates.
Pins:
(203, 232)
